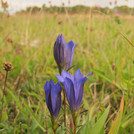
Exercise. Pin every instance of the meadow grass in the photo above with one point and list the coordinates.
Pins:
(27, 41)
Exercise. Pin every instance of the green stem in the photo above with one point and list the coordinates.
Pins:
(75, 128)
(54, 124)
(55, 132)
(60, 70)
(75, 120)
(3, 95)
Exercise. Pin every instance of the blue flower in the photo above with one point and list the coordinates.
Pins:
(74, 87)
(63, 52)
(53, 97)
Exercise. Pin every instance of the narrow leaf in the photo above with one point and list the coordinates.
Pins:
(117, 122)
(106, 78)
(97, 129)
(127, 39)
(33, 116)
(17, 101)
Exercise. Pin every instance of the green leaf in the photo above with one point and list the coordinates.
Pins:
(117, 122)
(102, 131)
(33, 116)
(84, 129)
(97, 129)
(98, 72)
(102, 75)
(127, 119)
(17, 101)
(127, 39)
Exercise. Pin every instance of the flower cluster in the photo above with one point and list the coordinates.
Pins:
(73, 85)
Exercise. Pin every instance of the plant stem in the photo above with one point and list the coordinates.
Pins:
(75, 128)
(75, 120)
(54, 125)
(55, 132)
(3, 95)
(60, 70)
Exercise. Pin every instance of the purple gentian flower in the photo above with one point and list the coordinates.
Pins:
(53, 97)
(74, 87)
(63, 52)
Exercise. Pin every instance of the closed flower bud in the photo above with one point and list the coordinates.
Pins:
(63, 52)
(53, 97)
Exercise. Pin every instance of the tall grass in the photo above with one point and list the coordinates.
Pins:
(27, 41)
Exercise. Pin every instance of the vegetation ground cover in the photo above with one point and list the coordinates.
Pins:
(27, 41)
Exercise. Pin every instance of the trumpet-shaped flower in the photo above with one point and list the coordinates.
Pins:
(63, 52)
(74, 87)
(53, 97)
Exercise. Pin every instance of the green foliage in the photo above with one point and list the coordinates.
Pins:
(98, 127)
(117, 122)
(81, 9)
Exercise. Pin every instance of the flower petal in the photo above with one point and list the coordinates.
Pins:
(58, 87)
(47, 89)
(89, 74)
(56, 99)
(62, 39)
(58, 105)
(56, 50)
(78, 75)
(60, 51)
(79, 85)
(60, 78)
(70, 46)
(70, 50)
(51, 82)
(49, 104)
(69, 88)
(65, 74)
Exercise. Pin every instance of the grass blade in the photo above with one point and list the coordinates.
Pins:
(33, 116)
(97, 129)
(127, 39)
(117, 122)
